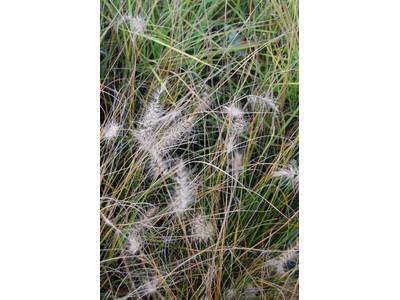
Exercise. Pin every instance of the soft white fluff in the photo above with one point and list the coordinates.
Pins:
(202, 230)
(112, 131)
(184, 190)
(279, 263)
(133, 242)
(151, 286)
(289, 173)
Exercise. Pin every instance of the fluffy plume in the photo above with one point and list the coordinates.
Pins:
(234, 116)
(202, 230)
(176, 132)
(158, 165)
(183, 196)
(233, 111)
(149, 121)
(137, 23)
(146, 134)
(280, 262)
(151, 286)
(289, 173)
(156, 141)
(156, 94)
(237, 161)
(263, 101)
(111, 131)
(133, 242)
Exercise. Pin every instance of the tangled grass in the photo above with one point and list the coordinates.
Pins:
(199, 150)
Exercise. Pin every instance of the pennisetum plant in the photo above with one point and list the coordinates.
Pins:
(199, 150)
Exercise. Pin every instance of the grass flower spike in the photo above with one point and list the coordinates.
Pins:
(287, 256)
(290, 174)
(202, 230)
(151, 286)
(111, 131)
(134, 241)
(184, 191)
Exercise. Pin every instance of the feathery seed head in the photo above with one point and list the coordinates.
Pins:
(171, 115)
(145, 133)
(279, 269)
(290, 173)
(202, 230)
(233, 111)
(182, 201)
(178, 132)
(163, 85)
(134, 241)
(252, 100)
(151, 114)
(230, 146)
(138, 24)
(183, 196)
(112, 131)
(235, 117)
(156, 94)
(237, 163)
(151, 286)
(210, 229)
(262, 100)
(230, 293)
(280, 262)
(159, 166)
(271, 103)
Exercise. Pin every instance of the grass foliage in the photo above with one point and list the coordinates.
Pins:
(199, 149)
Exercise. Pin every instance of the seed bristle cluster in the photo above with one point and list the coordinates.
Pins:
(235, 118)
(289, 173)
(137, 23)
(134, 242)
(111, 131)
(279, 263)
(202, 229)
(152, 285)
(184, 190)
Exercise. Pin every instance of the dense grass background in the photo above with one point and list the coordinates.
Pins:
(221, 53)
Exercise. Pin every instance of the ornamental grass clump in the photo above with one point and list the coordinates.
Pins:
(199, 150)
